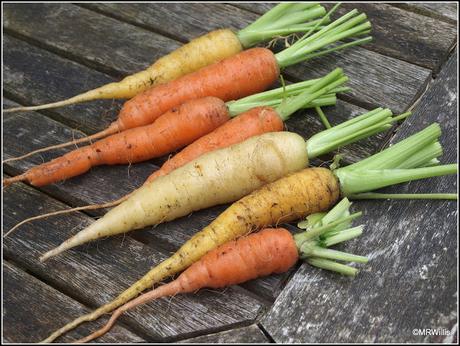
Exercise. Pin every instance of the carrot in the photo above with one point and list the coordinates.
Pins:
(171, 131)
(308, 191)
(244, 74)
(246, 258)
(284, 19)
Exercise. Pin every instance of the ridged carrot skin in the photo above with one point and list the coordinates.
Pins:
(269, 251)
(174, 130)
(244, 74)
(254, 122)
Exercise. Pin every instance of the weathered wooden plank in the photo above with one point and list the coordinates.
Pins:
(95, 273)
(51, 78)
(410, 37)
(246, 335)
(95, 39)
(31, 308)
(446, 11)
(409, 282)
(183, 21)
(376, 80)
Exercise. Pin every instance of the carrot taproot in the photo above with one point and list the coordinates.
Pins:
(195, 118)
(243, 74)
(283, 19)
(301, 193)
(246, 258)
(173, 130)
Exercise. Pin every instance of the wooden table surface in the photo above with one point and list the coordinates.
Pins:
(54, 51)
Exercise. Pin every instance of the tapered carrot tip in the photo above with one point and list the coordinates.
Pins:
(9, 181)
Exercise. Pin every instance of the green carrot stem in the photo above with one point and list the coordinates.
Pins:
(300, 238)
(323, 117)
(326, 17)
(323, 86)
(364, 180)
(283, 92)
(374, 195)
(424, 157)
(238, 108)
(342, 236)
(395, 155)
(308, 250)
(279, 21)
(346, 26)
(351, 131)
(340, 210)
(332, 266)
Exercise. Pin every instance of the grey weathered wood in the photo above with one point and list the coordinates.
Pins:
(35, 76)
(31, 308)
(183, 21)
(88, 36)
(96, 273)
(409, 282)
(376, 80)
(439, 10)
(247, 335)
(406, 35)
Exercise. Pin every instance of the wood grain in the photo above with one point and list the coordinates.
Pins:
(409, 282)
(96, 40)
(31, 308)
(410, 36)
(247, 335)
(182, 21)
(440, 10)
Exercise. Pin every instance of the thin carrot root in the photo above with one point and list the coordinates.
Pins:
(112, 129)
(66, 211)
(9, 181)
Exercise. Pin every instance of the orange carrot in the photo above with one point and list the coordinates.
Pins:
(173, 130)
(260, 254)
(246, 73)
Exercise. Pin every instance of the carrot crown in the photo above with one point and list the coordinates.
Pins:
(324, 230)
(412, 158)
(316, 44)
(284, 19)
(275, 97)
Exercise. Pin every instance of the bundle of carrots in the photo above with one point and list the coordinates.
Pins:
(282, 20)
(301, 193)
(201, 97)
(225, 175)
(238, 76)
(249, 260)
(179, 127)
